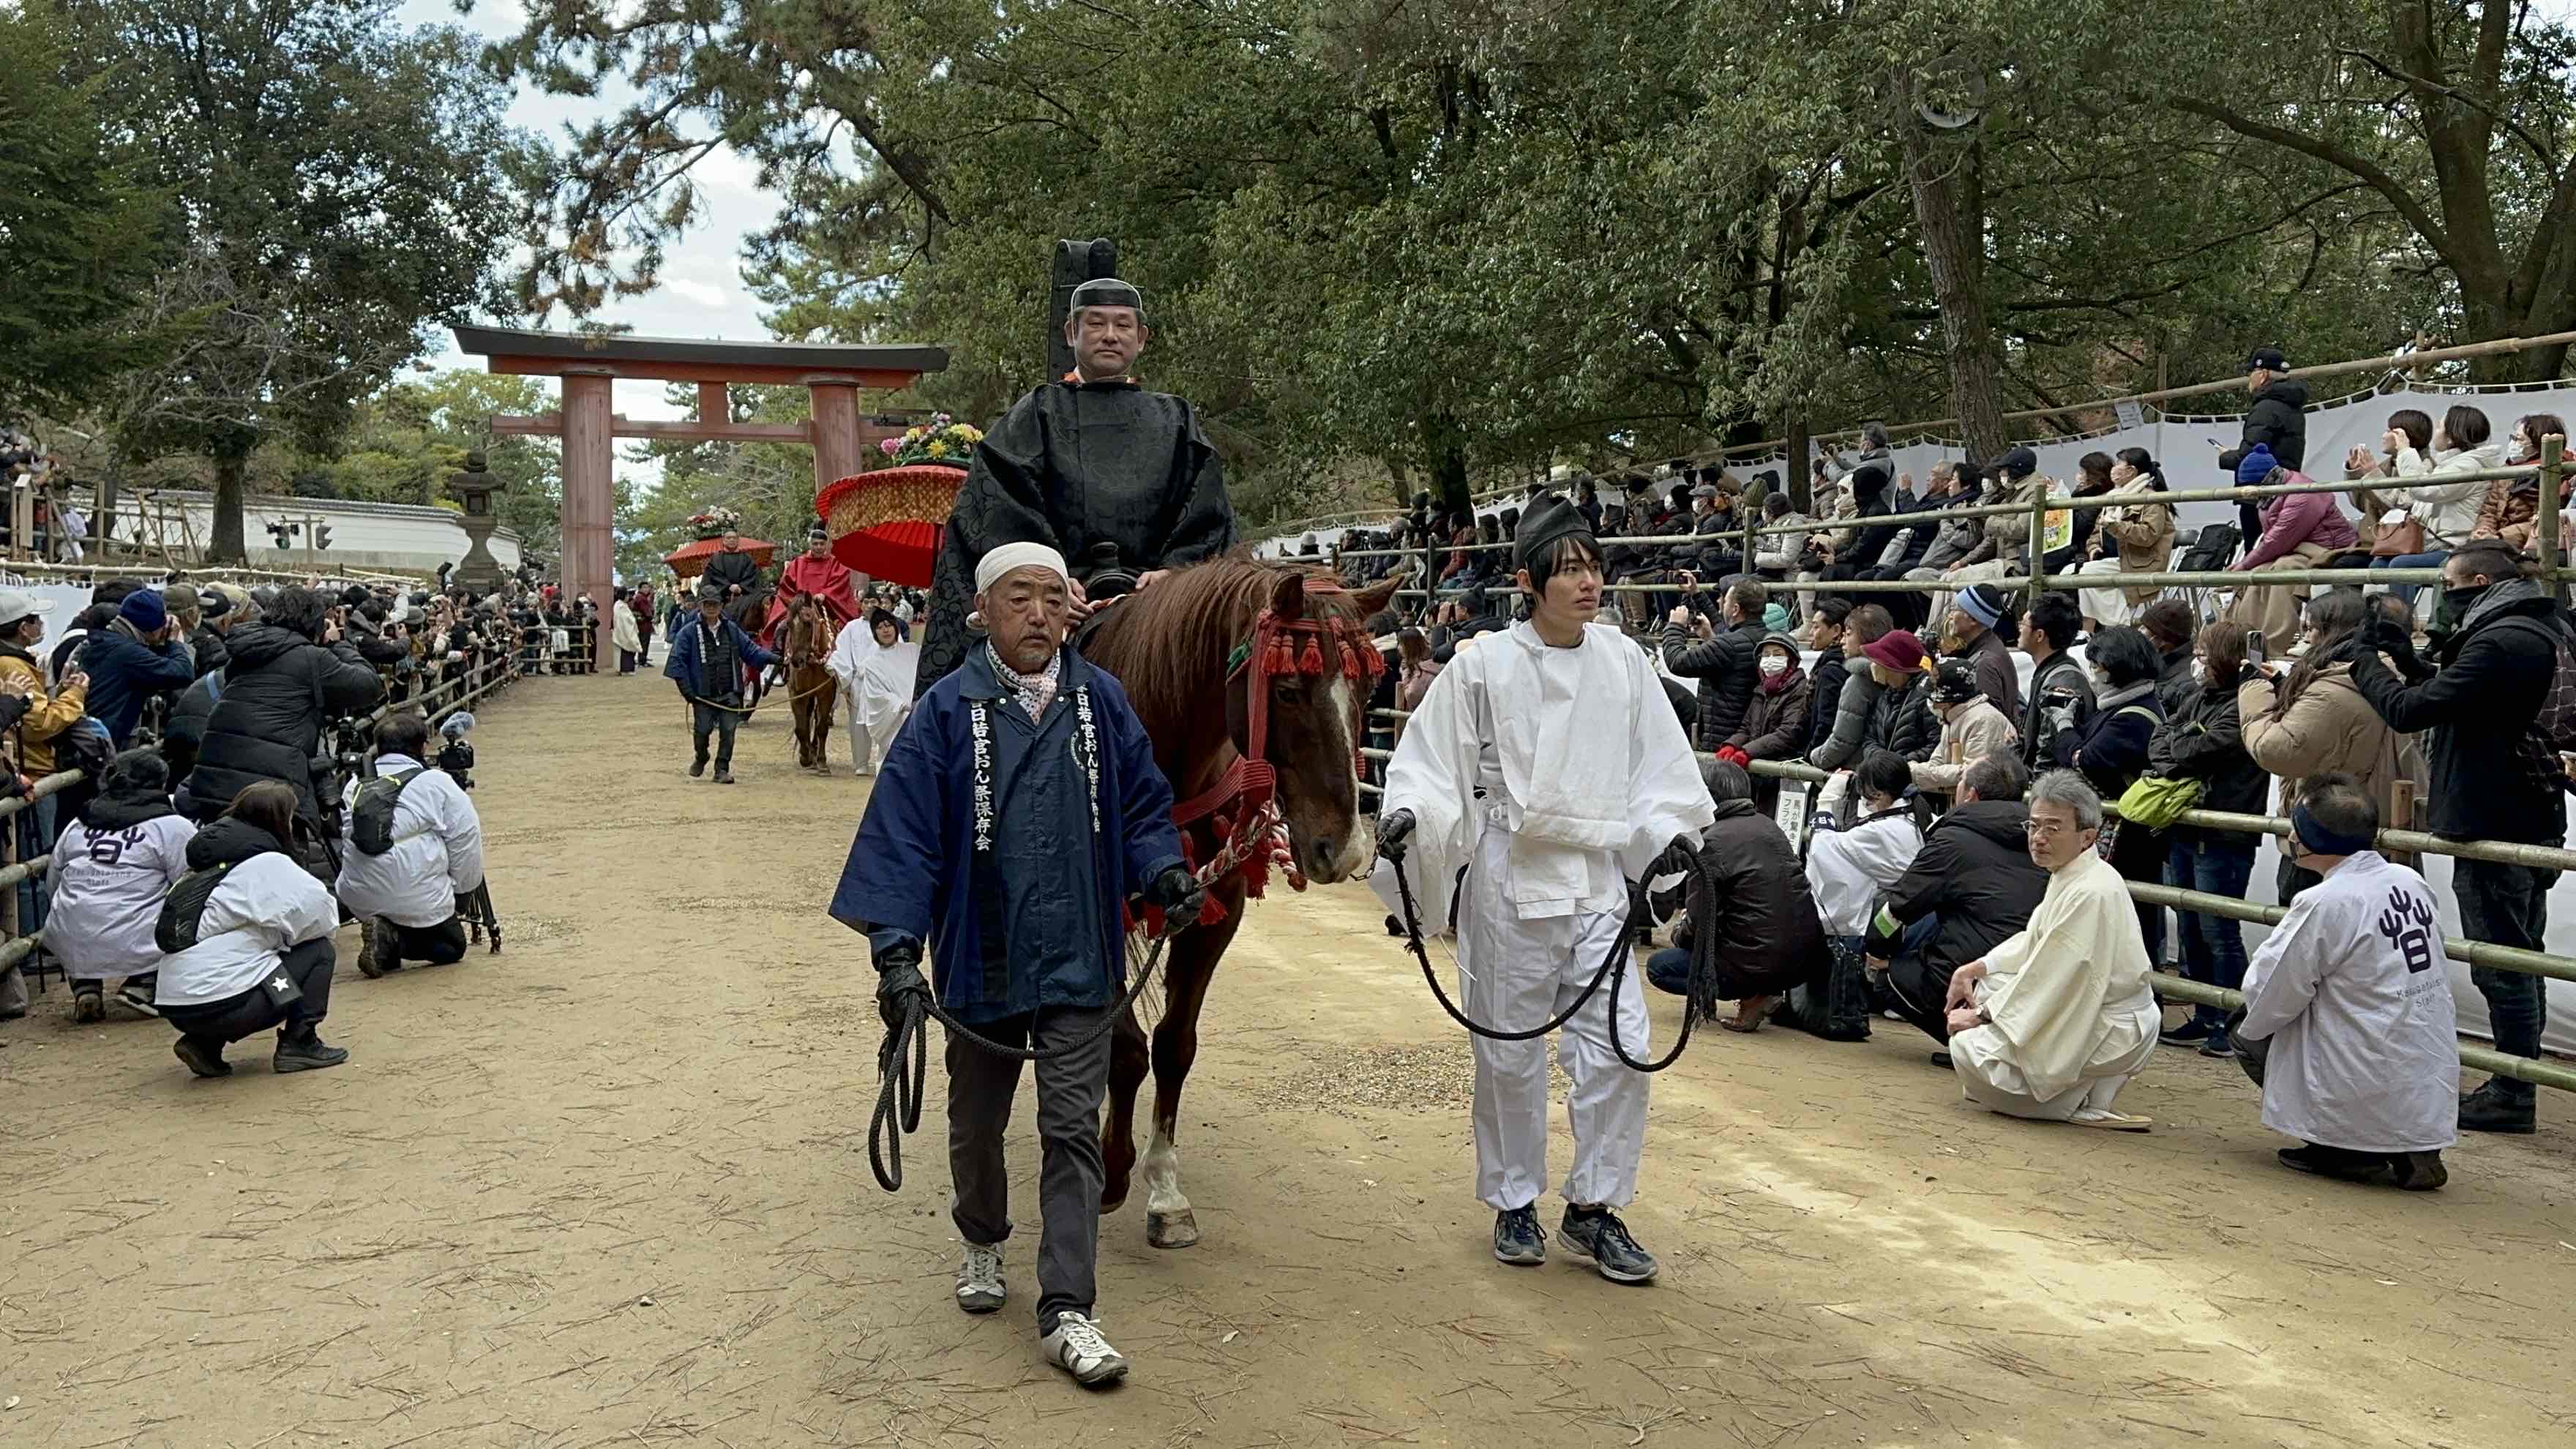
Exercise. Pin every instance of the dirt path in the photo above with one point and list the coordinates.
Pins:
(608, 1189)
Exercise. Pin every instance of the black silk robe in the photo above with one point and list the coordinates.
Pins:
(1075, 466)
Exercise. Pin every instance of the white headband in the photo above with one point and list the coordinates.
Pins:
(1018, 556)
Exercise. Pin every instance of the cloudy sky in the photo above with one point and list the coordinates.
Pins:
(701, 292)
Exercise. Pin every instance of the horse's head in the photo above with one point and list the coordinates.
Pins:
(1314, 671)
(1223, 629)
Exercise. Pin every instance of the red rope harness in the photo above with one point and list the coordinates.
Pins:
(1240, 812)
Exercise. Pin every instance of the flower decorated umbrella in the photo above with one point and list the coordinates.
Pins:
(887, 523)
(690, 559)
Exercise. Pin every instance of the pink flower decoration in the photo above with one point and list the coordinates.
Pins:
(890, 446)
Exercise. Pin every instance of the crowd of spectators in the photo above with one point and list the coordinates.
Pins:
(255, 770)
(1974, 742)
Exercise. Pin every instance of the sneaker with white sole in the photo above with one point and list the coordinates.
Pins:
(1076, 1347)
(137, 999)
(979, 1279)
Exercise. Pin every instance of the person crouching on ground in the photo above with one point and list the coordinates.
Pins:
(2055, 1021)
(1012, 820)
(708, 655)
(2349, 1027)
(252, 932)
(1542, 764)
(405, 895)
(112, 869)
(1753, 903)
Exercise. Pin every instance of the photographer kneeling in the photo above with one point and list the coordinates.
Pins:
(415, 846)
(248, 930)
(290, 675)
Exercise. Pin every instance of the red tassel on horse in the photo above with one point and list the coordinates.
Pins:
(1312, 661)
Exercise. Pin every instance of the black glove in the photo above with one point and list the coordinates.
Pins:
(1180, 897)
(898, 979)
(1392, 830)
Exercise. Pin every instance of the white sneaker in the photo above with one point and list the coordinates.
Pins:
(979, 1280)
(1077, 1348)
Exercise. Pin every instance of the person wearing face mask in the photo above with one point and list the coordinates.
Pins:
(1777, 721)
(2204, 741)
(1971, 729)
(2493, 777)
(2309, 719)
(2442, 505)
(2137, 537)
(2511, 511)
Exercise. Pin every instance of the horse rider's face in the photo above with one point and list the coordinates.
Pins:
(732, 541)
(1025, 613)
(817, 550)
(1105, 340)
(885, 636)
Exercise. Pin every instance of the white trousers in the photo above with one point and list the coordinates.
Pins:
(2106, 606)
(1514, 974)
(867, 749)
(1992, 1081)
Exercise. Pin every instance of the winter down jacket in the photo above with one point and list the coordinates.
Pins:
(279, 690)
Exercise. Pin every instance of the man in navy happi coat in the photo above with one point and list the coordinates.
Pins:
(1016, 813)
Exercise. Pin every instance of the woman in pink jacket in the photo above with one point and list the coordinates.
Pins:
(2300, 531)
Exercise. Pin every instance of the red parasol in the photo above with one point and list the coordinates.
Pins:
(690, 560)
(887, 524)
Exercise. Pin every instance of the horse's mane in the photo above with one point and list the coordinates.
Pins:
(1165, 643)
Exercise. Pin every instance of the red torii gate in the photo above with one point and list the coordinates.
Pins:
(832, 374)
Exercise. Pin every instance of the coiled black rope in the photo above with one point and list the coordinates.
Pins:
(1614, 970)
(899, 1093)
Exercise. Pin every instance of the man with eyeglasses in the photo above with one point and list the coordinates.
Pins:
(2052, 1023)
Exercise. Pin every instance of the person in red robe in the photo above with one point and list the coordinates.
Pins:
(815, 572)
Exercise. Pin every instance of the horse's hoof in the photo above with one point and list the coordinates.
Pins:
(1172, 1230)
(1110, 1204)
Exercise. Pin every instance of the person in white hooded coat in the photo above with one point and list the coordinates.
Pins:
(2349, 1025)
(111, 871)
(257, 950)
(1547, 765)
(875, 666)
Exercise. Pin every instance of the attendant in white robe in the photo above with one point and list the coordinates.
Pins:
(875, 666)
(1547, 763)
(111, 871)
(2349, 1026)
(2052, 1023)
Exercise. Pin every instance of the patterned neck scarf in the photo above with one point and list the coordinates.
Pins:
(1034, 691)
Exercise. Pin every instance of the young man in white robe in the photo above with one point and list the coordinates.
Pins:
(2349, 1026)
(875, 666)
(1546, 763)
(2054, 1022)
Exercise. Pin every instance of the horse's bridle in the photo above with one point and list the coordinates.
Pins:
(1242, 806)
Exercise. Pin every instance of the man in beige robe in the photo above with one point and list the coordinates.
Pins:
(2052, 1023)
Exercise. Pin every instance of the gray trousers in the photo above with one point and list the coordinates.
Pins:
(981, 1087)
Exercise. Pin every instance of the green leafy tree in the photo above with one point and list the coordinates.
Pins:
(81, 231)
(343, 189)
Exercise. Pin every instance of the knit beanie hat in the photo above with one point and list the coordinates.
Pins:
(2255, 466)
(1982, 603)
(144, 610)
(1775, 618)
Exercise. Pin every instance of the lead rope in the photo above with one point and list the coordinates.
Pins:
(1614, 969)
(899, 1093)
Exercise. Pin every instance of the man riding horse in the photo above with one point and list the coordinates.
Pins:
(817, 574)
(1118, 480)
(733, 573)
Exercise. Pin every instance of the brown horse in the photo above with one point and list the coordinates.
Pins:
(806, 640)
(751, 614)
(1193, 638)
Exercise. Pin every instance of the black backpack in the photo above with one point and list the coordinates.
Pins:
(371, 820)
(185, 906)
(2212, 550)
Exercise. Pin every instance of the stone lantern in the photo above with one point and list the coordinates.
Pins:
(475, 488)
